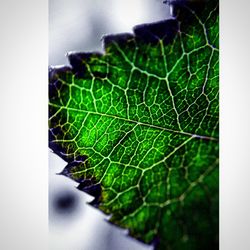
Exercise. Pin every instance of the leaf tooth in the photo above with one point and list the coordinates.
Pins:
(92, 189)
(118, 39)
(56, 71)
(153, 32)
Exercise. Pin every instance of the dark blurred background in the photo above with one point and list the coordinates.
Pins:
(78, 25)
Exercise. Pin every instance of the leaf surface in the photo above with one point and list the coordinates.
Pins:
(138, 127)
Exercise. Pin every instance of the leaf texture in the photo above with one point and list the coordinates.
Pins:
(138, 126)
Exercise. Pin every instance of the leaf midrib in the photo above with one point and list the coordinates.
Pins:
(137, 122)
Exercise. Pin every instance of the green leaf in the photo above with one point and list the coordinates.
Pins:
(138, 127)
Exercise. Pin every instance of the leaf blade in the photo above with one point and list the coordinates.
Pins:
(139, 129)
